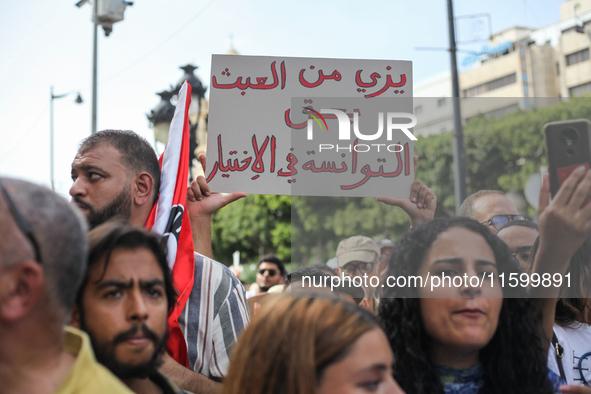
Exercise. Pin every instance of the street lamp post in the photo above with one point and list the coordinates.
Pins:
(161, 116)
(53, 97)
(109, 12)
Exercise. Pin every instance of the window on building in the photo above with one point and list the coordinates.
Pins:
(580, 90)
(557, 68)
(441, 102)
(576, 28)
(491, 85)
(418, 109)
(577, 57)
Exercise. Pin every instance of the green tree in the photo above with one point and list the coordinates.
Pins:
(320, 223)
(255, 225)
(501, 153)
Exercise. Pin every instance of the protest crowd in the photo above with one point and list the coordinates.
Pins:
(89, 301)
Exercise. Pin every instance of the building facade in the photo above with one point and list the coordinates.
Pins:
(519, 68)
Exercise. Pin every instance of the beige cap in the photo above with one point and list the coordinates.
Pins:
(357, 248)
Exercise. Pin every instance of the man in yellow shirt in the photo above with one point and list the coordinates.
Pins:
(42, 259)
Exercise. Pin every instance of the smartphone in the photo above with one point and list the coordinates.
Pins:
(568, 146)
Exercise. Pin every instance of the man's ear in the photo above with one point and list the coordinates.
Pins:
(75, 317)
(144, 186)
(24, 290)
(337, 271)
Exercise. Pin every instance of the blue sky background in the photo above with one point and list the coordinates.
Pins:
(49, 42)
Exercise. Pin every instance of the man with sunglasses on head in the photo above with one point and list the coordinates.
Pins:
(270, 272)
(491, 208)
(358, 256)
(42, 261)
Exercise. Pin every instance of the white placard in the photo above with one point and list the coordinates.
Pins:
(272, 121)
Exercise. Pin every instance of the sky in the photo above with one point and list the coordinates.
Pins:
(46, 43)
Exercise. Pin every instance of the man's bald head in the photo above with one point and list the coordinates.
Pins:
(468, 210)
(59, 230)
(483, 205)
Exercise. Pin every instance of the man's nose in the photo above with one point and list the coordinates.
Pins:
(138, 310)
(78, 188)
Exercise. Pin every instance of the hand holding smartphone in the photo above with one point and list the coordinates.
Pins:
(568, 146)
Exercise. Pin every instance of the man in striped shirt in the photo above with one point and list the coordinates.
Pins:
(116, 174)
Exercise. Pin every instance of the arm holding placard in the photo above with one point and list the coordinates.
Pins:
(420, 206)
(202, 204)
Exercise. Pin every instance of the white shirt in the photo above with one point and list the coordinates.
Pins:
(576, 341)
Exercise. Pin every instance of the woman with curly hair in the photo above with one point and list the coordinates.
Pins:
(463, 338)
(311, 346)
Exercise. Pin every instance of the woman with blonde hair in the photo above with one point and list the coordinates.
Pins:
(311, 345)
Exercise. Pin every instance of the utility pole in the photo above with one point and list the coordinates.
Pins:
(458, 140)
(94, 65)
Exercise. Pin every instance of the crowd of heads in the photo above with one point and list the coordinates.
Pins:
(114, 283)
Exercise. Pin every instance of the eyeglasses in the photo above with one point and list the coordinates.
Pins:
(21, 222)
(499, 221)
(272, 272)
(522, 255)
(363, 267)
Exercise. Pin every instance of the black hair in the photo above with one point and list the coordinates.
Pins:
(311, 272)
(138, 155)
(113, 235)
(518, 336)
(271, 258)
(520, 223)
(324, 268)
(572, 307)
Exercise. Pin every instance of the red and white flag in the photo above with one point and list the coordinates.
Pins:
(169, 218)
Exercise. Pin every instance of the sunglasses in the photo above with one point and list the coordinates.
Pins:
(21, 222)
(499, 221)
(272, 272)
(363, 267)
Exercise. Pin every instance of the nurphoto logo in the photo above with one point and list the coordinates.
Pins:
(344, 128)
